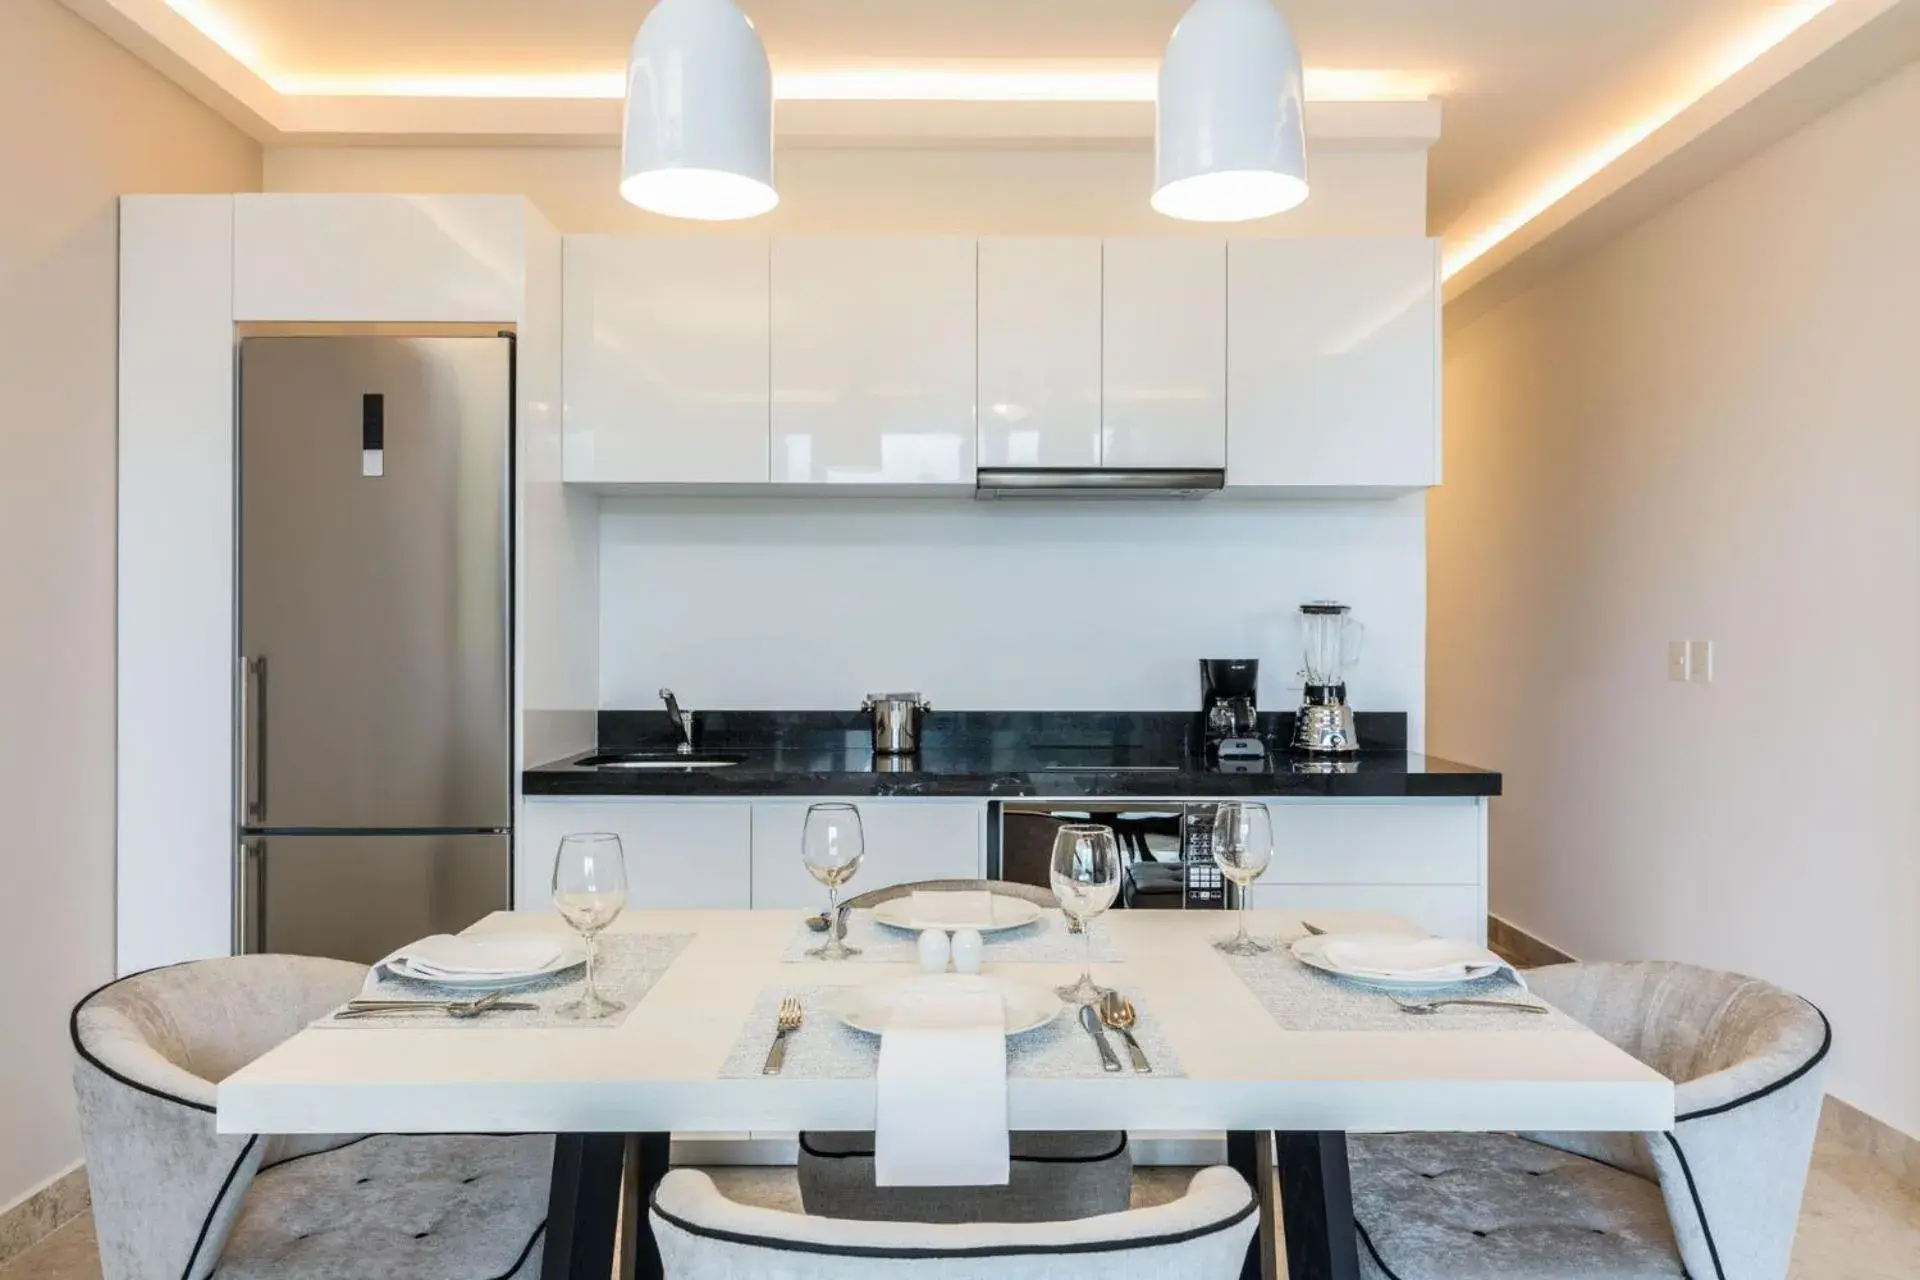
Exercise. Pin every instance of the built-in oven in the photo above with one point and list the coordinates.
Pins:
(1166, 849)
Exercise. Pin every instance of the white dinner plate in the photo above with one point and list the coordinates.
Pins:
(1309, 951)
(571, 955)
(1008, 913)
(869, 1007)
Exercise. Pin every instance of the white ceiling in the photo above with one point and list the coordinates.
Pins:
(1529, 89)
(1525, 82)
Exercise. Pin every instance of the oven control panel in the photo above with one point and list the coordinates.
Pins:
(1206, 888)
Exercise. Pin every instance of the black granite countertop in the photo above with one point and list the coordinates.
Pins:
(1055, 755)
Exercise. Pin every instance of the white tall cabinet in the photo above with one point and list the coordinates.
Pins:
(1333, 374)
(1040, 361)
(873, 360)
(192, 268)
(668, 360)
(1164, 364)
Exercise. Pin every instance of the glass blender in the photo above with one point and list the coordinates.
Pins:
(1331, 639)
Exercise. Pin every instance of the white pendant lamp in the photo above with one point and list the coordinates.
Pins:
(1230, 143)
(698, 140)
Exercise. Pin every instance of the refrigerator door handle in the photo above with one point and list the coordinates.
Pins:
(250, 897)
(253, 741)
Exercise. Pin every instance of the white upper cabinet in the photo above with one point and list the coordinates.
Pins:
(356, 258)
(667, 360)
(1164, 371)
(873, 361)
(1333, 377)
(1040, 322)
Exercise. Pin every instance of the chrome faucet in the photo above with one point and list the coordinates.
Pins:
(682, 720)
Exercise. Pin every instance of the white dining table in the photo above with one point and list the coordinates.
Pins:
(614, 1094)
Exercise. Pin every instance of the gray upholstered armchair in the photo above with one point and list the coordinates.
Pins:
(172, 1198)
(1717, 1198)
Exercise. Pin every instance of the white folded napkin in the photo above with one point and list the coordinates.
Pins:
(941, 1090)
(1388, 955)
(950, 908)
(448, 956)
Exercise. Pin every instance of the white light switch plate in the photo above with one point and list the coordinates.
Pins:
(1700, 661)
(1677, 660)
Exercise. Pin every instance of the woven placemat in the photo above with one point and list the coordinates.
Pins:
(1302, 998)
(629, 965)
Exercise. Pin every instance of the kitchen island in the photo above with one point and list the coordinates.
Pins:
(1388, 830)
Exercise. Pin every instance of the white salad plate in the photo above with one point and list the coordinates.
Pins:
(572, 954)
(870, 1007)
(1008, 913)
(1311, 951)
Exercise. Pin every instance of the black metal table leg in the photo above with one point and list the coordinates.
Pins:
(648, 1155)
(1316, 1206)
(1243, 1155)
(583, 1206)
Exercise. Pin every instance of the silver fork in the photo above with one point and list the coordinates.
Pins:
(1426, 1008)
(785, 1023)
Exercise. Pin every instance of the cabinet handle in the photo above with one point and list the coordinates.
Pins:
(250, 898)
(253, 741)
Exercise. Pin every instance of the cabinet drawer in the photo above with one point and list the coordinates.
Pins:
(907, 841)
(1342, 842)
(1451, 911)
(678, 854)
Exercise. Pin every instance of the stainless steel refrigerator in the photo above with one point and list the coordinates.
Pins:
(374, 736)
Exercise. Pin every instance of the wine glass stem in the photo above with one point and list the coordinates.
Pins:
(589, 996)
(1242, 936)
(1086, 932)
(833, 917)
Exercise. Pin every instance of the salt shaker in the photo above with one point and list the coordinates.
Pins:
(968, 950)
(934, 951)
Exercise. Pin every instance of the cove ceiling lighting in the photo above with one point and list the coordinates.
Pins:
(1230, 139)
(698, 135)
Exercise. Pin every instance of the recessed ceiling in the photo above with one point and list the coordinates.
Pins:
(1529, 88)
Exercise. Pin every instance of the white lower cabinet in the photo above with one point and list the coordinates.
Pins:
(907, 841)
(1421, 860)
(679, 853)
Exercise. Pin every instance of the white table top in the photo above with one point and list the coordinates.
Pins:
(659, 1070)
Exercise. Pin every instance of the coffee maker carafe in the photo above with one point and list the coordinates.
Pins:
(1331, 639)
(1228, 708)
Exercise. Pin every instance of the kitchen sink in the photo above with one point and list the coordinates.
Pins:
(661, 760)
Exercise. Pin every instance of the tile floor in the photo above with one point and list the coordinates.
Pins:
(1857, 1223)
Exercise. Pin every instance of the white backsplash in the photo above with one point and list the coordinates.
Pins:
(809, 603)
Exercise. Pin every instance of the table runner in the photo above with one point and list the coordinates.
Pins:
(1045, 941)
(629, 965)
(1301, 998)
(827, 1049)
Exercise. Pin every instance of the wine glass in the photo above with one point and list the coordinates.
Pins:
(590, 889)
(832, 845)
(1242, 846)
(1085, 870)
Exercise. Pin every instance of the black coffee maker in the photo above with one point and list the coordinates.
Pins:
(1229, 708)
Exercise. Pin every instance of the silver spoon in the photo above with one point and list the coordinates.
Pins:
(452, 1008)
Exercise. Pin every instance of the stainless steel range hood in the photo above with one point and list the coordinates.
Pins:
(1098, 482)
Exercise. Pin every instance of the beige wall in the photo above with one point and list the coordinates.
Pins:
(81, 122)
(960, 192)
(1709, 429)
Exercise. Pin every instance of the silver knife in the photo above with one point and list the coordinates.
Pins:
(1109, 1060)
